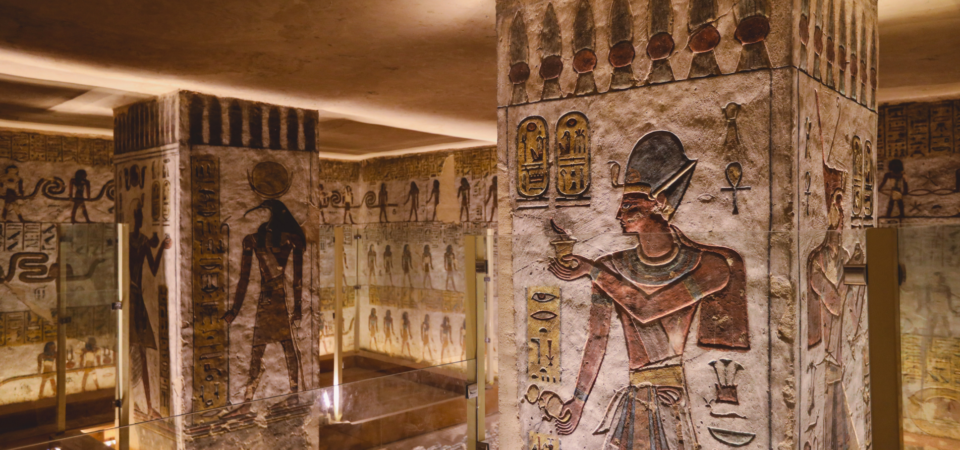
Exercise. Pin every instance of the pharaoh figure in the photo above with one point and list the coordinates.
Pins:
(406, 263)
(12, 186)
(406, 334)
(656, 289)
(47, 367)
(373, 327)
(426, 347)
(79, 193)
(413, 197)
(463, 194)
(450, 266)
(826, 301)
(141, 332)
(387, 330)
(435, 197)
(446, 336)
(388, 264)
(274, 242)
(371, 266)
(427, 261)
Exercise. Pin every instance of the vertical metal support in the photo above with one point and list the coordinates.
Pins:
(356, 293)
(61, 284)
(883, 288)
(123, 338)
(338, 318)
(470, 272)
(475, 252)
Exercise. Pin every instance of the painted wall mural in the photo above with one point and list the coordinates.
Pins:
(918, 163)
(47, 180)
(918, 160)
(708, 236)
(404, 266)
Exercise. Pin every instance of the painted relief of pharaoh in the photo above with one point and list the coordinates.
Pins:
(655, 289)
(827, 298)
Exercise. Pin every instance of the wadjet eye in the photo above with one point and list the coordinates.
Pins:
(543, 297)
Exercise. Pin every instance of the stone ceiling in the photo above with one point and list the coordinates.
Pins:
(390, 74)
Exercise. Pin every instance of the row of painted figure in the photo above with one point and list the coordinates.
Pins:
(381, 202)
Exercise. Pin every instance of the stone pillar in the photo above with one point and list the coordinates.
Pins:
(223, 252)
(706, 128)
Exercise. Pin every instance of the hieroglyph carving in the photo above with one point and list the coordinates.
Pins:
(573, 155)
(543, 334)
(210, 242)
(532, 152)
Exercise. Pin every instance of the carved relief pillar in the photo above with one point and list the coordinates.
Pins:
(737, 144)
(218, 192)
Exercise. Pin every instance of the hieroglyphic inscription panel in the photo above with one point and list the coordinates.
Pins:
(210, 377)
(543, 334)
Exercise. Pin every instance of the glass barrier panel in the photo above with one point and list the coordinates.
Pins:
(417, 409)
(89, 258)
(930, 336)
(58, 331)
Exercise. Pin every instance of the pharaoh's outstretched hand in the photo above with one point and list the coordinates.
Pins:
(569, 417)
(571, 267)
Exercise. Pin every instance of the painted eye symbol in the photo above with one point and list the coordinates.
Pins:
(543, 297)
(544, 315)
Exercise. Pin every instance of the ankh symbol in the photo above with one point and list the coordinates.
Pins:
(734, 173)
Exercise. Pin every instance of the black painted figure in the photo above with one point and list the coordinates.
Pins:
(272, 244)
(413, 197)
(463, 194)
(12, 186)
(435, 196)
(323, 201)
(141, 332)
(898, 188)
(382, 203)
(347, 204)
(491, 195)
(79, 193)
